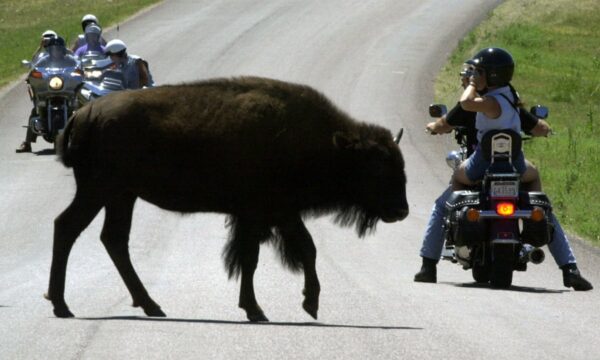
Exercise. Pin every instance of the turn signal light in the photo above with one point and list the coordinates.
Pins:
(36, 74)
(537, 214)
(473, 215)
(505, 208)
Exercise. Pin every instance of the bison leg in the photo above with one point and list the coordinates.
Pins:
(242, 255)
(67, 227)
(115, 237)
(299, 245)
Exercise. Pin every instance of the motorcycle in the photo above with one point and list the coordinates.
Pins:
(495, 228)
(52, 82)
(101, 77)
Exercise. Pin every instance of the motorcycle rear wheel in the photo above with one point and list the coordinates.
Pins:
(502, 267)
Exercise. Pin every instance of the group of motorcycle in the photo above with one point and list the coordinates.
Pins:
(58, 85)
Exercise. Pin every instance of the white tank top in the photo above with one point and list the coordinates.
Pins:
(508, 119)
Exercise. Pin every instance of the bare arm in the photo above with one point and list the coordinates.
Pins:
(440, 126)
(143, 71)
(488, 105)
(471, 101)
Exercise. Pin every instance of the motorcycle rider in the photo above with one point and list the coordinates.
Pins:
(40, 52)
(85, 21)
(56, 53)
(433, 240)
(93, 34)
(135, 69)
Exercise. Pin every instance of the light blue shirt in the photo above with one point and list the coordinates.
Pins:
(508, 119)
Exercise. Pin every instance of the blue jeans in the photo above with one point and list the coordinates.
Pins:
(433, 241)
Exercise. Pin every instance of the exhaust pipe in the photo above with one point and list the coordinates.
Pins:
(531, 254)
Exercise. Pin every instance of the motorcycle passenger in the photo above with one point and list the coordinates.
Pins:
(497, 109)
(57, 56)
(433, 240)
(93, 34)
(40, 52)
(85, 21)
(135, 69)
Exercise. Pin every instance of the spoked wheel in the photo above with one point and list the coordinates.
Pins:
(502, 266)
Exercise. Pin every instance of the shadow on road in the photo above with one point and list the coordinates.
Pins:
(528, 289)
(226, 322)
(45, 152)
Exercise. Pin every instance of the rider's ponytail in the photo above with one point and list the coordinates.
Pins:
(518, 102)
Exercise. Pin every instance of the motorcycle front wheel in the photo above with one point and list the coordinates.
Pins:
(481, 273)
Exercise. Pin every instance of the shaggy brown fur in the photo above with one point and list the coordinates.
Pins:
(266, 152)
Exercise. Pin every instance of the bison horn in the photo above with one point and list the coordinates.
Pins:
(399, 136)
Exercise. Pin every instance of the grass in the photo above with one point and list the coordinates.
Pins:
(23, 21)
(556, 46)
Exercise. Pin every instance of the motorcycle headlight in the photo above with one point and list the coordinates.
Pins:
(454, 159)
(56, 83)
(93, 74)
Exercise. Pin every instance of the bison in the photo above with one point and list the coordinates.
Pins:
(265, 152)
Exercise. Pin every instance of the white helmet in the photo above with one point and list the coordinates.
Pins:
(87, 19)
(48, 34)
(115, 46)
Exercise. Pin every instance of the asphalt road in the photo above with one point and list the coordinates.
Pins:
(376, 60)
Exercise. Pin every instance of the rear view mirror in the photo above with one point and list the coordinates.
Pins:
(26, 63)
(437, 110)
(539, 111)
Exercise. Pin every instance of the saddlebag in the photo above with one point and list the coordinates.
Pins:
(536, 233)
(460, 231)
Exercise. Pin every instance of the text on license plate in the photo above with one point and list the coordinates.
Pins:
(505, 189)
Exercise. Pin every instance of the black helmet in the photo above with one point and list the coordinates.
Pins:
(498, 64)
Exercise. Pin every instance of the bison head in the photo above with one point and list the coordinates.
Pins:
(374, 178)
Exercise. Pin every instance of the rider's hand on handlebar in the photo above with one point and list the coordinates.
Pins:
(430, 128)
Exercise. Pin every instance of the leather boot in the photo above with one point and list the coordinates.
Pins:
(24, 147)
(572, 278)
(428, 272)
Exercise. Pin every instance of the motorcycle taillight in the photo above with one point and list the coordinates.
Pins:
(505, 208)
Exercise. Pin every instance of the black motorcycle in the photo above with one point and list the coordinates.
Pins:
(496, 228)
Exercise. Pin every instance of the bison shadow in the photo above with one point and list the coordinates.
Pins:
(270, 323)
(528, 289)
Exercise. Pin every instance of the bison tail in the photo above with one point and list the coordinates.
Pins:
(245, 237)
(289, 251)
(62, 143)
(66, 143)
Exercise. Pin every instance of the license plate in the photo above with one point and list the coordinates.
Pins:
(505, 189)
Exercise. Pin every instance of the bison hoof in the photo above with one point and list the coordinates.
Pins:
(311, 308)
(63, 312)
(155, 311)
(260, 317)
